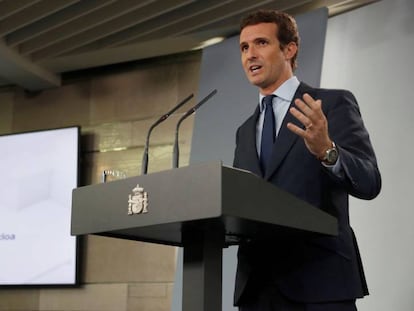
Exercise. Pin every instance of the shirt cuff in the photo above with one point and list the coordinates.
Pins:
(336, 169)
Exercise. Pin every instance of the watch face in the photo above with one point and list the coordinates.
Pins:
(332, 155)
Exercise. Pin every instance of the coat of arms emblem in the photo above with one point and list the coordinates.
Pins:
(138, 201)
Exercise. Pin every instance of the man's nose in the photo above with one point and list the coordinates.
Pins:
(251, 53)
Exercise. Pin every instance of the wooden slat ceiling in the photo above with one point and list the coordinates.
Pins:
(41, 39)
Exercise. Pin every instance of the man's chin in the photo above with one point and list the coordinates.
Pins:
(256, 81)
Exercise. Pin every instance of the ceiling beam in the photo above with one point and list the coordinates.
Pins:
(32, 14)
(205, 18)
(118, 24)
(81, 24)
(20, 71)
(54, 20)
(9, 7)
(123, 54)
(151, 25)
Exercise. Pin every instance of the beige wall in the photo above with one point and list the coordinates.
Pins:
(114, 110)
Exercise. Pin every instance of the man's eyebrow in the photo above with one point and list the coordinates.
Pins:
(260, 39)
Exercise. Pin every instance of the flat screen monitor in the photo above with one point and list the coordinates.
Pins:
(38, 171)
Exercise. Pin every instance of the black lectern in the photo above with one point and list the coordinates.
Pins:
(201, 208)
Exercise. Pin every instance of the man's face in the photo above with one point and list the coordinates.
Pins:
(265, 64)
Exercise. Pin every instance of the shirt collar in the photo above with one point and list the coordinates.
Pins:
(285, 92)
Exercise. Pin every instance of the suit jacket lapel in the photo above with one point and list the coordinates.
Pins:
(252, 155)
(286, 138)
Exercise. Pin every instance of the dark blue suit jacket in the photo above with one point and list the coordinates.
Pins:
(321, 268)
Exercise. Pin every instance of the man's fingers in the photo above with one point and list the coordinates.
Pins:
(309, 107)
(303, 107)
(310, 101)
(296, 129)
(304, 119)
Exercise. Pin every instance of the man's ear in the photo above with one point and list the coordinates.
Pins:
(290, 50)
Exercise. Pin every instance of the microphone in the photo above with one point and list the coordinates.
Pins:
(144, 167)
(188, 113)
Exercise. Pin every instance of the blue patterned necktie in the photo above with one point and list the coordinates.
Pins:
(268, 132)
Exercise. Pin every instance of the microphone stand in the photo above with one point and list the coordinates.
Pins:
(144, 167)
(187, 114)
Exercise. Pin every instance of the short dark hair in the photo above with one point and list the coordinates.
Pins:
(287, 27)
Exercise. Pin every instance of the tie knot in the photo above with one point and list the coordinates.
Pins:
(268, 100)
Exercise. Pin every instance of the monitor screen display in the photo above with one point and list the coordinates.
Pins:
(38, 171)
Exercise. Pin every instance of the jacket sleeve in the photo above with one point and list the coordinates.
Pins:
(362, 178)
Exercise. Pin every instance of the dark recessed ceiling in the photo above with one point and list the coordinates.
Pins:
(40, 39)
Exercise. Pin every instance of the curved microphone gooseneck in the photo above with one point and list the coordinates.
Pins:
(144, 167)
(188, 113)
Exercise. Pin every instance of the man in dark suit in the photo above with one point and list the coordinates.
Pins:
(321, 153)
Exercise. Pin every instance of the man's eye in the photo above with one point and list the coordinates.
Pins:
(262, 42)
(244, 48)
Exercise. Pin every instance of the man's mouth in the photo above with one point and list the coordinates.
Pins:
(255, 68)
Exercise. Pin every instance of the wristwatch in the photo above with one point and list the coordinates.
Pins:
(331, 155)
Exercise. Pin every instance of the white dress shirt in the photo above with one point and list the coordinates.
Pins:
(284, 95)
